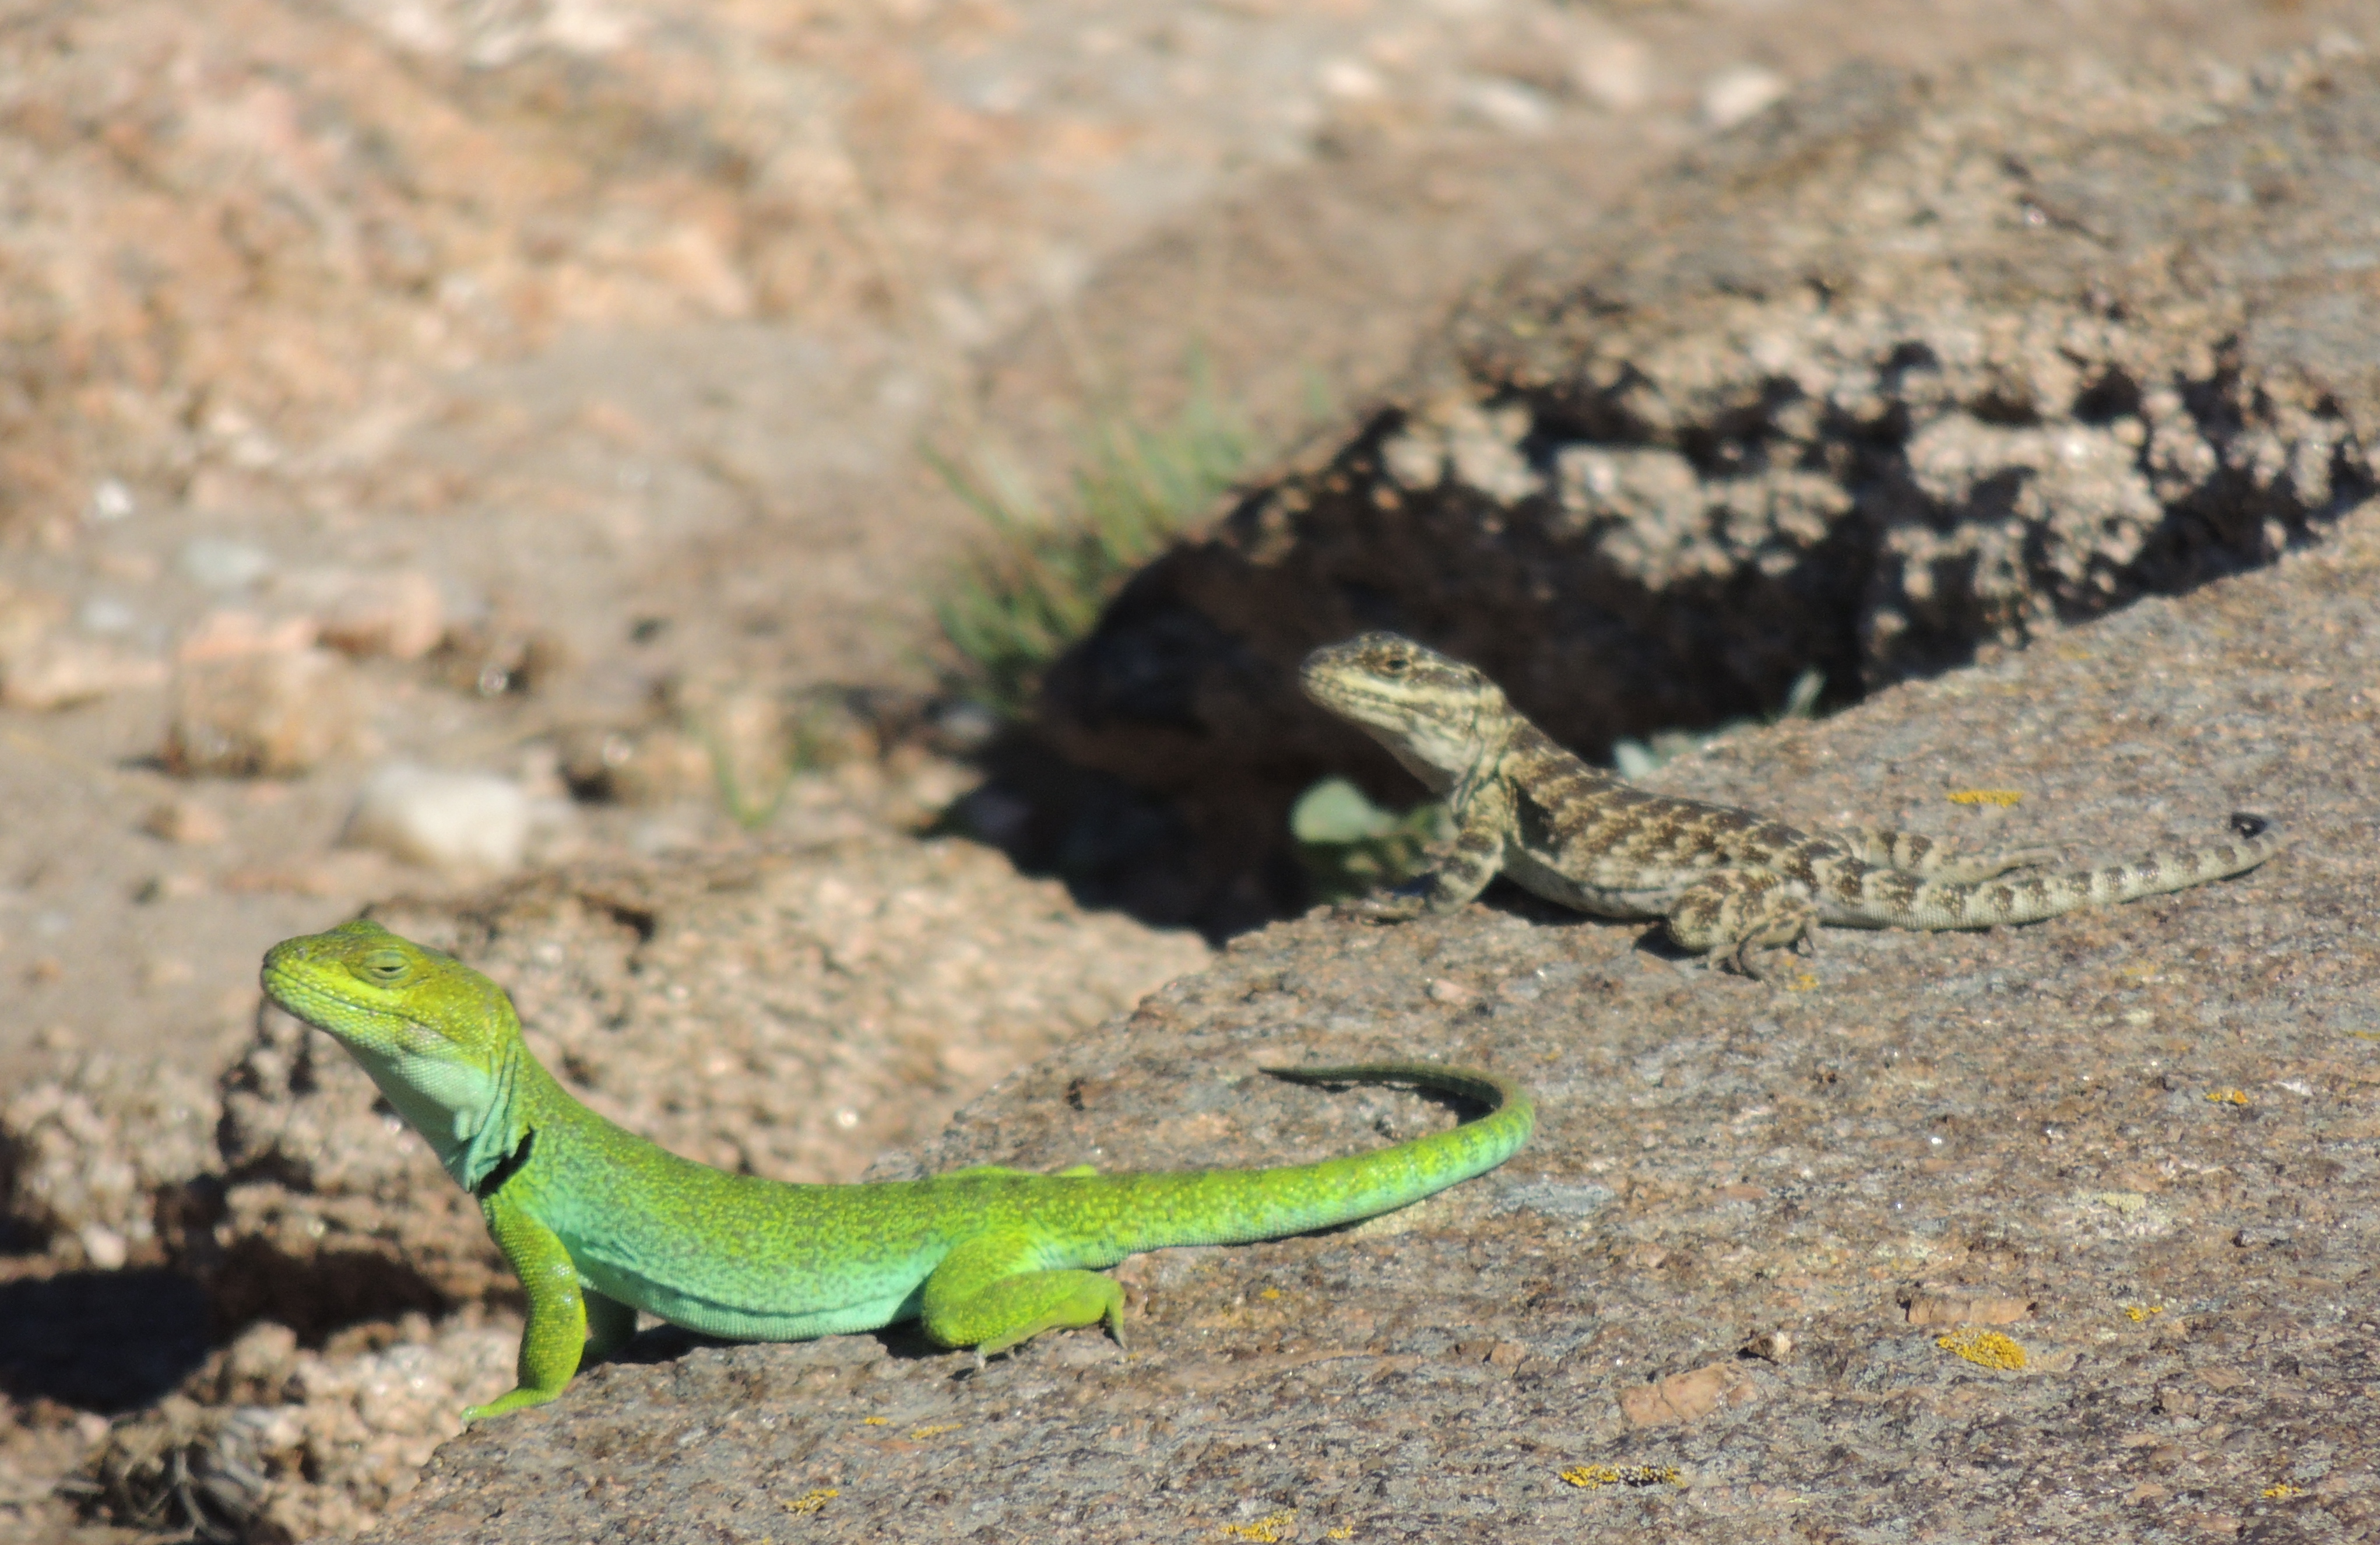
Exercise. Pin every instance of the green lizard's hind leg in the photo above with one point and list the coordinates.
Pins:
(556, 1336)
(610, 1326)
(987, 1294)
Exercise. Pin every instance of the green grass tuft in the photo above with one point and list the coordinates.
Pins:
(1037, 580)
(1350, 846)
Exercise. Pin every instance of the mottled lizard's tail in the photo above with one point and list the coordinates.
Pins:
(1888, 899)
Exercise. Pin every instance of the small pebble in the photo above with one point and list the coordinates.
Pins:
(398, 614)
(1733, 95)
(110, 500)
(185, 821)
(267, 710)
(1613, 73)
(102, 1246)
(59, 672)
(221, 563)
(171, 887)
(1507, 105)
(105, 613)
(444, 821)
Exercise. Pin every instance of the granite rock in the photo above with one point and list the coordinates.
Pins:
(2063, 1233)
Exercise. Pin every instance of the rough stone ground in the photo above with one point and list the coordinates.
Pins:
(2138, 1144)
(611, 329)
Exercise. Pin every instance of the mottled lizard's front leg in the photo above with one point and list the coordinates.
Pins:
(1481, 821)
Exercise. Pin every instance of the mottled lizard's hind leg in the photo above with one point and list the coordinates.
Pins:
(1935, 857)
(1741, 911)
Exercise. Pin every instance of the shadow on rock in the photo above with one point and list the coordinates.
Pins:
(318, 1294)
(100, 1341)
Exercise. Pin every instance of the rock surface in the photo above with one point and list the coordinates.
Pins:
(2063, 1233)
(1901, 374)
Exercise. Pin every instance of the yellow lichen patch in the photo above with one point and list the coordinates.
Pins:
(1590, 1478)
(2003, 798)
(934, 1431)
(2280, 1489)
(812, 1499)
(1269, 1292)
(1802, 983)
(876, 1421)
(1984, 1348)
(1343, 1531)
(1267, 1528)
(2227, 1097)
(2139, 1312)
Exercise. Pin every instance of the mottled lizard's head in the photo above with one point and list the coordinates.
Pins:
(1439, 716)
(387, 998)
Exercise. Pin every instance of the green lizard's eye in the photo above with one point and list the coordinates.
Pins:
(383, 965)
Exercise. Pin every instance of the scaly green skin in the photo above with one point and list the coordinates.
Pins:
(599, 1223)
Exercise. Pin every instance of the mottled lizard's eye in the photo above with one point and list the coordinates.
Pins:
(381, 965)
(1395, 665)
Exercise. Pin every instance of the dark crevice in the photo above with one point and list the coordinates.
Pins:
(2112, 397)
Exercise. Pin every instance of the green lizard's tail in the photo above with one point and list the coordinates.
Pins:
(1230, 1207)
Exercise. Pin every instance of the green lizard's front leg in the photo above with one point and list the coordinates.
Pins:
(561, 1313)
(987, 1294)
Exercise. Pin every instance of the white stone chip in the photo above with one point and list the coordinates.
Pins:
(446, 821)
(1733, 95)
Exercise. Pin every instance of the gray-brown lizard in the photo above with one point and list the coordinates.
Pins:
(1724, 878)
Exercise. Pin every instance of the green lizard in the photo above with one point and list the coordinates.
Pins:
(599, 1223)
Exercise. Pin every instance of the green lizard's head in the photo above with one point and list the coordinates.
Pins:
(1438, 716)
(439, 1039)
